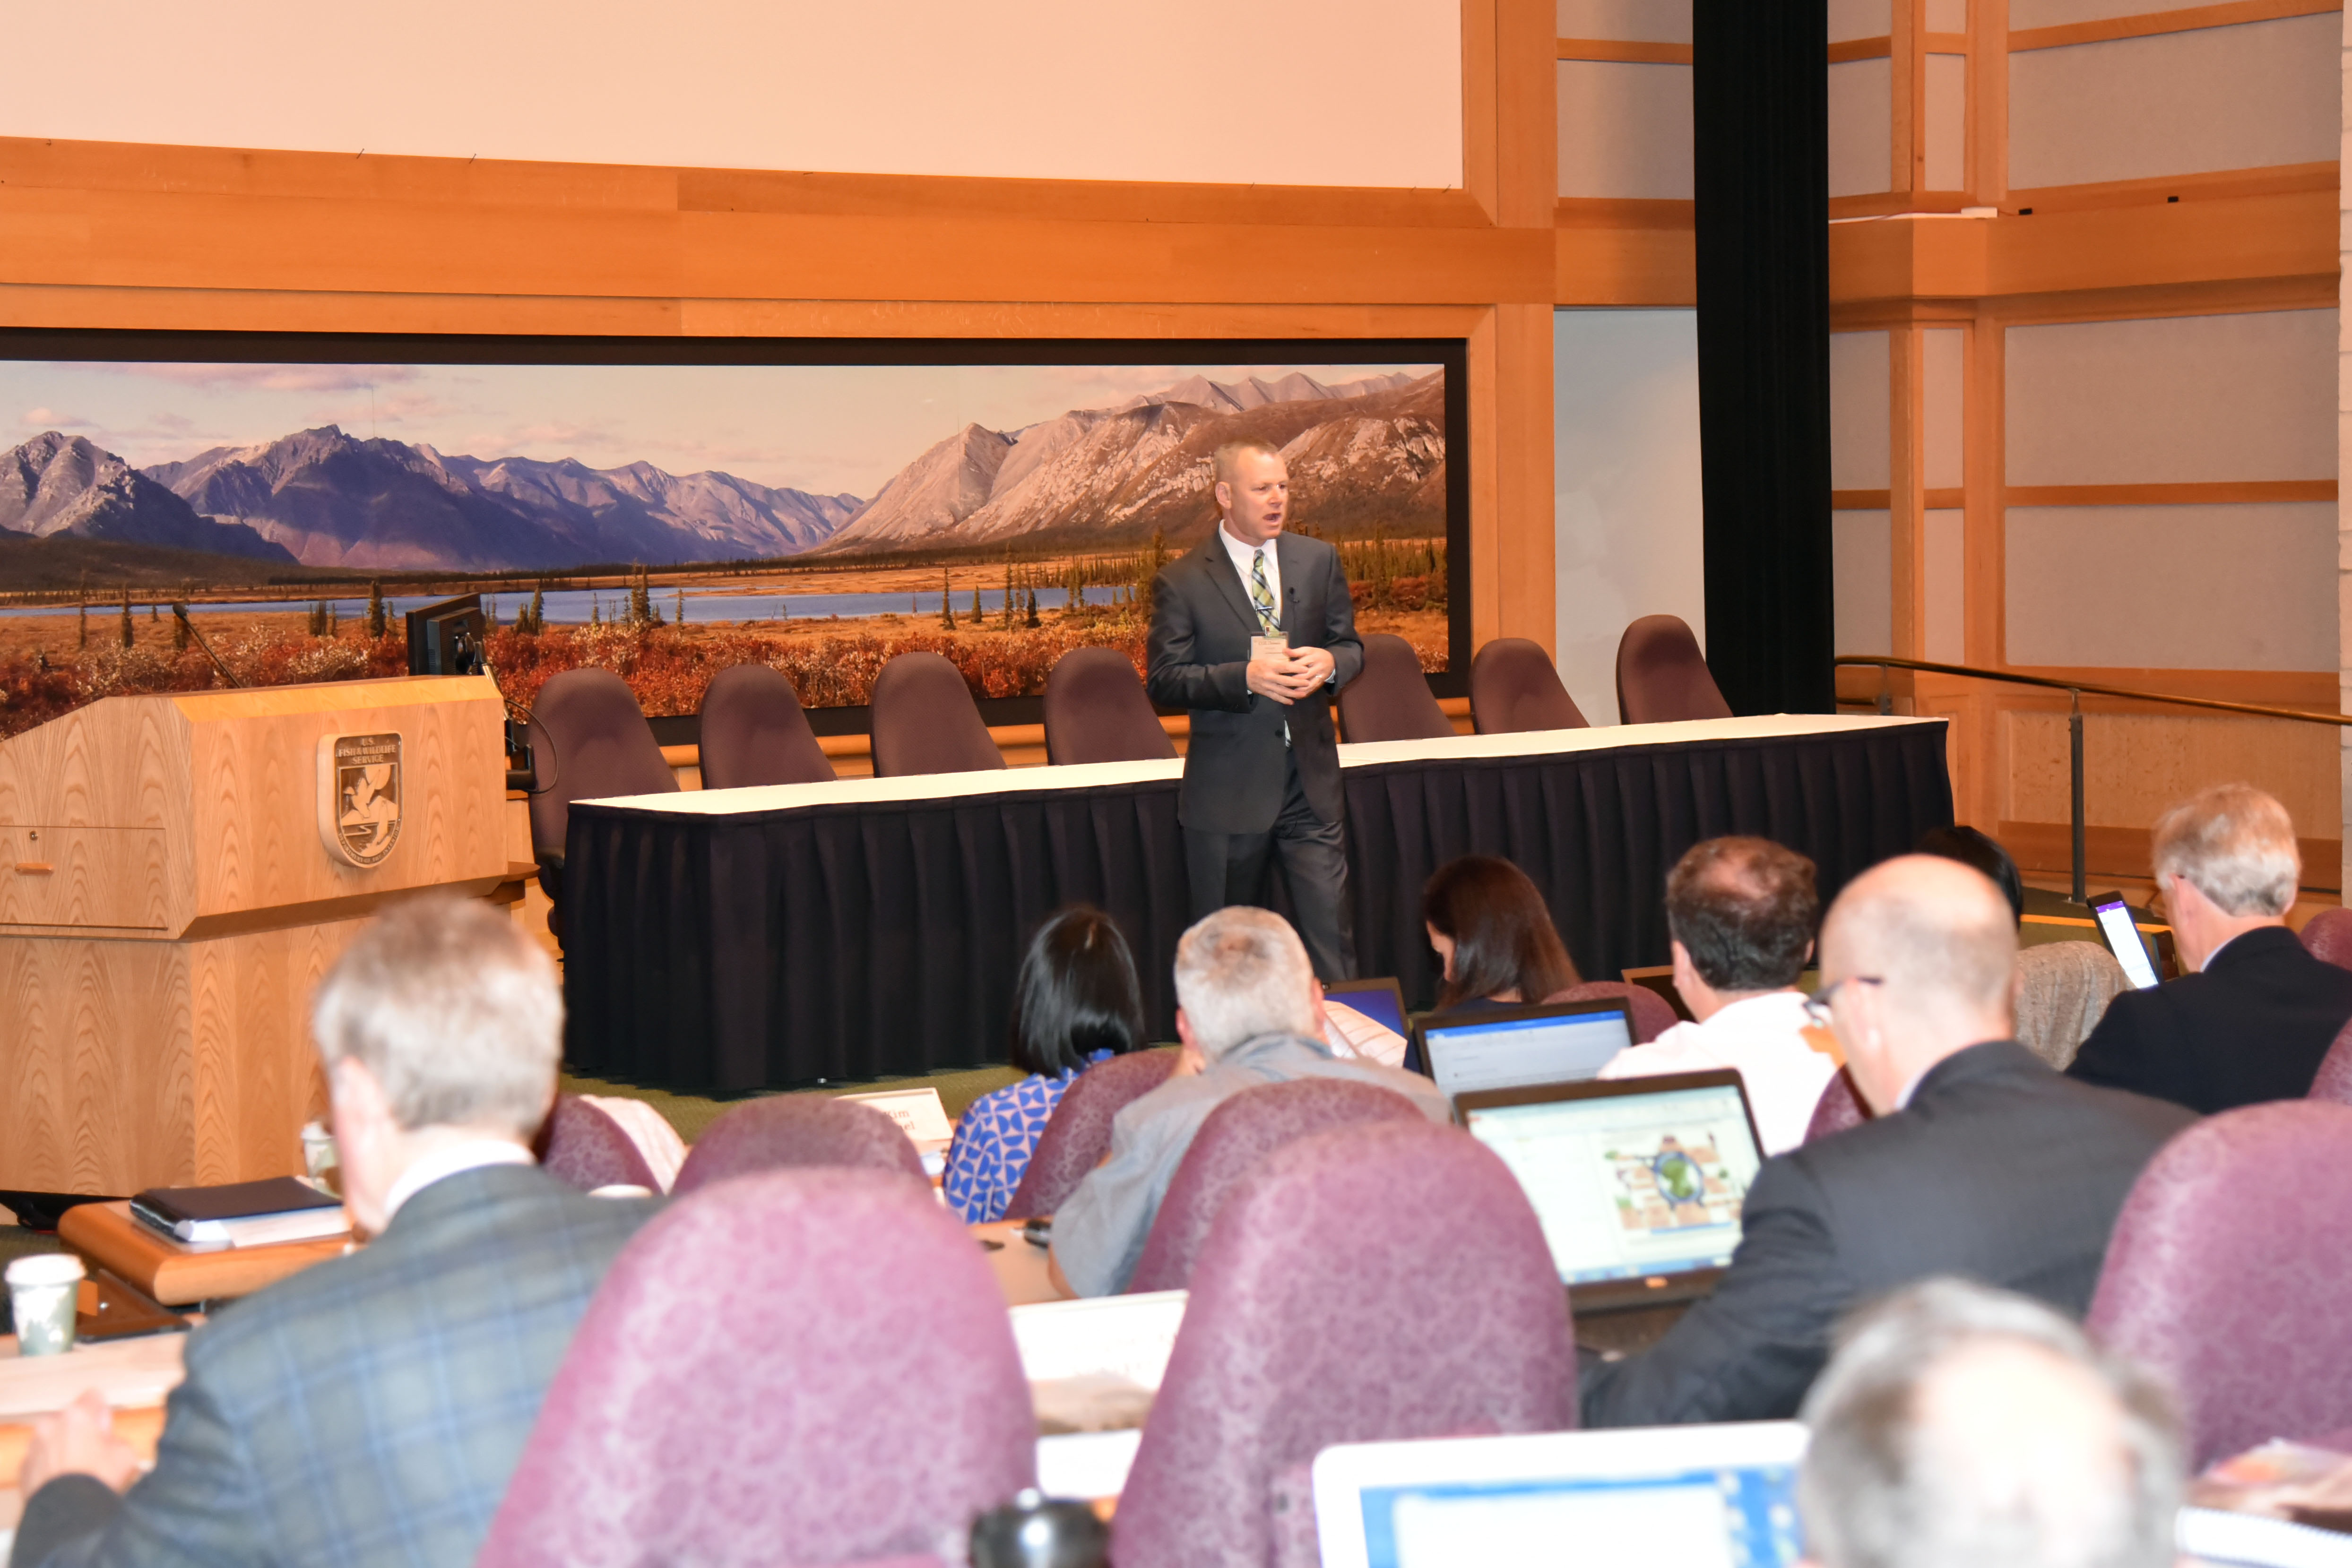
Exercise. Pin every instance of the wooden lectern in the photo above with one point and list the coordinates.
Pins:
(177, 872)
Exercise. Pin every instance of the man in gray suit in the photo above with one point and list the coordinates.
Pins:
(1982, 1162)
(370, 1410)
(1262, 769)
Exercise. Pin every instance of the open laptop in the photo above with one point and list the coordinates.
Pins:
(1638, 1182)
(1515, 1047)
(1381, 1000)
(1696, 1497)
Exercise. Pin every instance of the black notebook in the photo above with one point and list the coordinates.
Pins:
(243, 1213)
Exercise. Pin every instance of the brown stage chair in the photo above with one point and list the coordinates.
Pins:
(589, 740)
(1389, 700)
(926, 722)
(1663, 676)
(1514, 688)
(1096, 711)
(754, 732)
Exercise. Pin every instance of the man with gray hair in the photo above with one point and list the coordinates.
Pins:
(1981, 1161)
(370, 1410)
(2253, 1016)
(1249, 1012)
(1958, 1427)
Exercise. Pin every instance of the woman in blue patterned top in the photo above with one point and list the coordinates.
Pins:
(1078, 1003)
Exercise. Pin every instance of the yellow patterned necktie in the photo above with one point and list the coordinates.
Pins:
(1261, 596)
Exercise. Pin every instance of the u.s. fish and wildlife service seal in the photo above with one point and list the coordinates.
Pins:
(359, 796)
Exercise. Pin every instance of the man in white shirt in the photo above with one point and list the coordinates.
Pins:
(1741, 914)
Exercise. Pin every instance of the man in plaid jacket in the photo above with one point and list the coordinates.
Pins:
(370, 1410)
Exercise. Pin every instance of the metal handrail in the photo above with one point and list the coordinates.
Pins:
(2073, 690)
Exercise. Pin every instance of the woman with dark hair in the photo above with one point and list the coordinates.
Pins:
(1077, 1003)
(1491, 929)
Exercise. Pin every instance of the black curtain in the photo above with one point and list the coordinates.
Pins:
(1760, 111)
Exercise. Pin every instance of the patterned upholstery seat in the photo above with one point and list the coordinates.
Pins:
(1230, 1143)
(1309, 1326)
(808, 1366)
(1841, 1107)
(2335, 1079)
(2227, 1275)
(2329, 936)
(1078, 1135)
(795, 1130)
(1647, 1014)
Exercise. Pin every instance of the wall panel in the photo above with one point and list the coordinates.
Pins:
(1942, 396)
(1624, 130)
(1628, 513)
(1944, 563)
(1863, 566)
(1861, 126)
(1948, 122)
(2192, 587)
(2175, 103)
(1859, 395)
(1858, 19)
(2056, 13)
(1346, 92)
(2179, 398)
(1642, 21)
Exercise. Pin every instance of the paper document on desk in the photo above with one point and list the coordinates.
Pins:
(921, 1116)
(1094, 1366)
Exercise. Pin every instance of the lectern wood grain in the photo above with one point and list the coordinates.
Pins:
(155, 981)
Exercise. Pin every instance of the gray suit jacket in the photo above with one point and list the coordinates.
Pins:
(370, 1410)
(1198, 656)
(1099, 1235)
(1999, 1170)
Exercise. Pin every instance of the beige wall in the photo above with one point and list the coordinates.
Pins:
(1334, 92)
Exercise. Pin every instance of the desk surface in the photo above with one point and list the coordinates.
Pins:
(107, 1235)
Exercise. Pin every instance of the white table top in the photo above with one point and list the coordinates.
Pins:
(1100, 775)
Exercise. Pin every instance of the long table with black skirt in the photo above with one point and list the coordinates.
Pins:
(739, 939)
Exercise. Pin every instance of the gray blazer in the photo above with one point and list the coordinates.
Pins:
(1201, 624)
(367, 1411)
(1999, 1170)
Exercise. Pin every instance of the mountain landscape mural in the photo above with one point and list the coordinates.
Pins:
(1364, 454)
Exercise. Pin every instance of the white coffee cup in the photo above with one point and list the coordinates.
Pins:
(43, 1290)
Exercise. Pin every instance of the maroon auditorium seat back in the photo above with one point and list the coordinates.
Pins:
(1077, 1135)
(2227, 1275)
(1389, 700)
(926, 722)
(2329, 936)
(1647, 1014)
(1840, 1107)
(1096, 711)
(2335, 1079)
(796, 1129)
(1662, 676)
(1230, 1143)
(805, 1366)
(754, 731)
(582, 1147)
(1514, 688)
(1323, 1312)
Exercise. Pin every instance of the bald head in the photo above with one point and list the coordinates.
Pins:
(1936, 933)
(1959, 1425)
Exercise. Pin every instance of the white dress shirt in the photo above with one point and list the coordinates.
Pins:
(1763, 1038)
(444, 1162)
(1245, 556)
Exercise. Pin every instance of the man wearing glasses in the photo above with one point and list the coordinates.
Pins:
(1981, 1161)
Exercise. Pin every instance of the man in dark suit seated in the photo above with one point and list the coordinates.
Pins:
(1982, 1162)
(2254, 1019)
(370, 1410)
